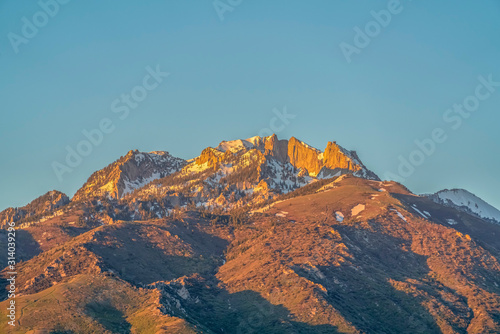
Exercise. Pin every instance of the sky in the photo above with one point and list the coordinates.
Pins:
(374, 76)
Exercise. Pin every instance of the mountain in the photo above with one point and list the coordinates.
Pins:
(250, 171)
(233, 174)
(258, 235)
(342, 255)
(128, 173)
(44, 204)
(465, 201)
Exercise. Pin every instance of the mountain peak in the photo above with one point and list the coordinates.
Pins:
(130, 172)
(466, 201)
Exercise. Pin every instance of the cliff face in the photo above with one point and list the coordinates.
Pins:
(133, 171)
(300, 155)
(336, 157)
(276, 148)
(310, 159)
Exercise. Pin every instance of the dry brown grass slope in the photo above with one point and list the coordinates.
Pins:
(295, 267)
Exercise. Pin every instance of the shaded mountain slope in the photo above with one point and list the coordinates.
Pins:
(93, 304)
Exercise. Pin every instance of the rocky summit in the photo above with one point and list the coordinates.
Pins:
(257, 235)
(128, 173)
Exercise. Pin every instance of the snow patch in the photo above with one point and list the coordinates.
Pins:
(399, 214)
(426, 216)
(139, 183)
(234, 145)
(339, 216)
(357, 209)
(139, 157)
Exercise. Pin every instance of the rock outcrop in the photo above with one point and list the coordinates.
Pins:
(311, 161)
(38, 207)
(303, 156)
(337, 157)
(212, 157)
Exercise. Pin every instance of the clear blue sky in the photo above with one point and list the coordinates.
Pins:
(227, 76)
